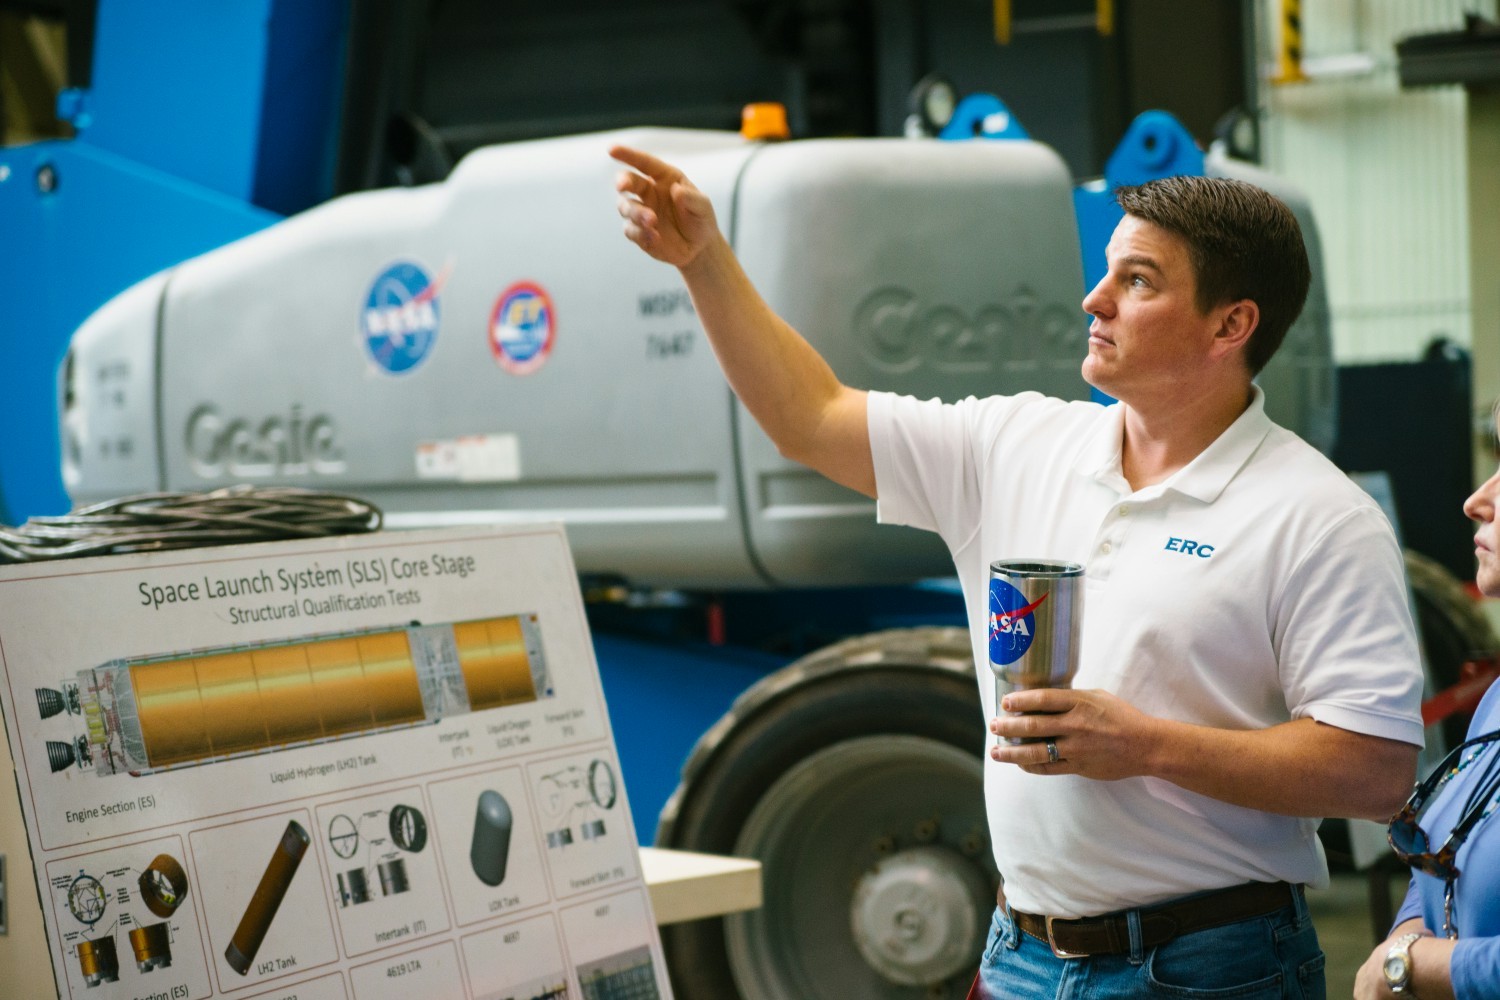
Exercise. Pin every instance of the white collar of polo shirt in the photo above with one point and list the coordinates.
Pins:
(1203, 479)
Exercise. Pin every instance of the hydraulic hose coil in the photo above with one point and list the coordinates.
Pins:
(154, 522)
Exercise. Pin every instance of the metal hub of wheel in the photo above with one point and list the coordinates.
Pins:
(877, 871)
(917, 915)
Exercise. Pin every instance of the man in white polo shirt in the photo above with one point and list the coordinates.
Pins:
(1248, 660)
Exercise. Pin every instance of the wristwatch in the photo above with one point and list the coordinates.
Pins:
(1397, 967)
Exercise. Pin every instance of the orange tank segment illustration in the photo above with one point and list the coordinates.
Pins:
(147, 714)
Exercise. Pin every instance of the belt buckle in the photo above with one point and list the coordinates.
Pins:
(1052, 943)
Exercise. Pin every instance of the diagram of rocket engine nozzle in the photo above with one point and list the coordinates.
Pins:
(152, 713)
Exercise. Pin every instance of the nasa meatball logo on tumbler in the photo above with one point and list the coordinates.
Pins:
(1036, 613)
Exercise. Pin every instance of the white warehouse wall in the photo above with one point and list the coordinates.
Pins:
(1385, 169)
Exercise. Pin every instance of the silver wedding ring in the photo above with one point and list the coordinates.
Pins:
(1051, 746)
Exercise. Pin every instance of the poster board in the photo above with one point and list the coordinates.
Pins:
(363, 767)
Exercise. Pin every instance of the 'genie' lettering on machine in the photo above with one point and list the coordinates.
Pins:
(275, 446)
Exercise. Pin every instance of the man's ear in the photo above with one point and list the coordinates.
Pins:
(1240, 320)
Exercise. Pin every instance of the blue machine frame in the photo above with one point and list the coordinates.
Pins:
(203, 123)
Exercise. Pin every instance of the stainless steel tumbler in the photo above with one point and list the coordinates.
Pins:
(1036, 613)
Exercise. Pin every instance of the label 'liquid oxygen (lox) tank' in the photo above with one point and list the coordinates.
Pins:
(491, 348)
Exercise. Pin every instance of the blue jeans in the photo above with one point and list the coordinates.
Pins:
(1273, 956)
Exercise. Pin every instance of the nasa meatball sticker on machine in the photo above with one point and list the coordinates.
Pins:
(369, 767)
(523, 328)
(401, 316)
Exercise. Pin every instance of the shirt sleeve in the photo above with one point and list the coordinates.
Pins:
(1347, 644)
(924, 473)
(927, 457)
(1411, 906)
(1475, 968)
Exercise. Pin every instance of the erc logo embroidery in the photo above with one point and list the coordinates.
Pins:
(1188, 547)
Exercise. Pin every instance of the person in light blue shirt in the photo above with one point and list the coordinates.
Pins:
(1446, 940)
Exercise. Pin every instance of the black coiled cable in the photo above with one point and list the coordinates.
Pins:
(155, 522)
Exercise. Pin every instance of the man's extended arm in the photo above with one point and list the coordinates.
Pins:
(786, 385)
(1299, 768)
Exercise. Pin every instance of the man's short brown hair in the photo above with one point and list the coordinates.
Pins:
(1243, 242)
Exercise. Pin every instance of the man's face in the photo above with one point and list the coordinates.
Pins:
(1481, 507)
(1148, 339)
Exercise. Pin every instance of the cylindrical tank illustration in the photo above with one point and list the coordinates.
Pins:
(99, 961)
(490, 850)
(143, 715)
(163, 885)
(393, 878)
(152, 946)
(354, 887)
(408, 829)
(603, 788)
(272, 889)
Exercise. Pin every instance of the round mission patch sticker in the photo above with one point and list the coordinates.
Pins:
(523, 328)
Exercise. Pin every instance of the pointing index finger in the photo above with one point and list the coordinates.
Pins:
(644, 162)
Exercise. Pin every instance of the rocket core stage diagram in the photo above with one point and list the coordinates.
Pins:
(152, 713)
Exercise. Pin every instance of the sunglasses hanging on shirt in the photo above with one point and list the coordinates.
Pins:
(1409, 840)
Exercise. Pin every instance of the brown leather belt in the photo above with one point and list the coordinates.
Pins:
(1110, 934)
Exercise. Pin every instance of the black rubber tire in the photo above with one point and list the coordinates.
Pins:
(916, 682)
